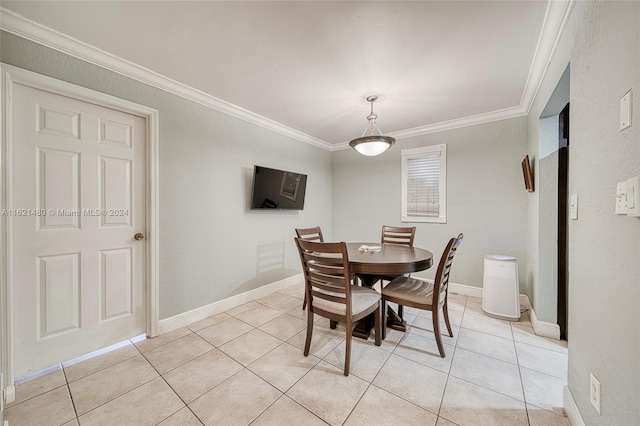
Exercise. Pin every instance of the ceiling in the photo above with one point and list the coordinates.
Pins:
(309, 65)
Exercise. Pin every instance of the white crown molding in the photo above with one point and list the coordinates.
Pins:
(30, 30)
(555, 19)
(456, 123)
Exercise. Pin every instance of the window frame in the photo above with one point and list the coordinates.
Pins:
(421, 152)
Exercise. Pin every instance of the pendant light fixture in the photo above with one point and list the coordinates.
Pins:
(372, 144)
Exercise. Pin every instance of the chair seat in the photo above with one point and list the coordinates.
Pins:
(362, 298)
(413, 290)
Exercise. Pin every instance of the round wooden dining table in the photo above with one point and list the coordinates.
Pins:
(391, 260)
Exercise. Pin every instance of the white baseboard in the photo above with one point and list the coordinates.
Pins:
(571, 409)
(195, 315)
(9, 394)
(466, 290)
(473, 291)
(541, 328)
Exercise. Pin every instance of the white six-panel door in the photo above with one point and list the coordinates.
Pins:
(78, 272)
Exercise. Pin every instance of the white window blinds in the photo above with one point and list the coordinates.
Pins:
(424, 184)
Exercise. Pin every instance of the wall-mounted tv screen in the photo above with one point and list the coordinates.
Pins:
(528, 174)
(278, 189)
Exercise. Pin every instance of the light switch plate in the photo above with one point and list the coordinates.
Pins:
(625, 111)
(621, 198)
(594, 393)
(573, 207)
(633, 197)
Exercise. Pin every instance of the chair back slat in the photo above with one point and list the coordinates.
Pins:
(326, 296)
(398, 235)
(441, 283)
(326, 282)
(323, 259)
(326, 271)
(310, 234)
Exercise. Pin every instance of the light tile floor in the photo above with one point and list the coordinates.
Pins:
(246, 366)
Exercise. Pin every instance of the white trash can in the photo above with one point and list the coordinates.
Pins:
(500, 289)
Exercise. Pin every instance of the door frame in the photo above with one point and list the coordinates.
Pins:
(10, 75)
(564, 141)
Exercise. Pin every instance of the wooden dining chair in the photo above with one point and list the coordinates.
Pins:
(425, 295)
(400, 236)
(330, 294)
(315, 234)
(310, 234)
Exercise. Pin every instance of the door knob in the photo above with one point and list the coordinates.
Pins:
(138, 236)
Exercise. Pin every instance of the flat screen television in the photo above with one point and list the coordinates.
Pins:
(277, 189)
(528, 174)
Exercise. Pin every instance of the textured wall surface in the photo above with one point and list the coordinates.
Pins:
(486, 199)
(602, 44)
(604, 249)
(545, 299)
(209, 240)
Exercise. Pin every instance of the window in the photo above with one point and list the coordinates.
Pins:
(424, 184)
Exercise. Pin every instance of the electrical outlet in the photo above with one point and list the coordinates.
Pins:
(594, 393)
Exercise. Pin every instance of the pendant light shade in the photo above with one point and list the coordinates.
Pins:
(372, 144)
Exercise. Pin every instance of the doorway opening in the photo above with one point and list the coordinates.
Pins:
(551, 296)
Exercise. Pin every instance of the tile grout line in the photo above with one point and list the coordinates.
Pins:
(392, 353)
(369, 383)
(169, 385)
(15, 404)
(539, 347)
(492, 390)
(68, 383)
(73, 403)
(497, 359)
(270, 405)
(308, 371)
(116, 397)
(524, 401)
(102, 369)
(243, 367)
(164, 344)
(179, 409)
(177, 366)
(446, 383)
(524, 395)
(200, 396)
